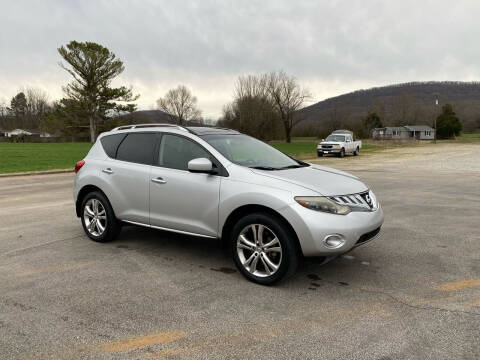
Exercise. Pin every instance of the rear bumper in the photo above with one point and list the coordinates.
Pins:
(313, 227)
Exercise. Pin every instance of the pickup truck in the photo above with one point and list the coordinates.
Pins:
(339, 142)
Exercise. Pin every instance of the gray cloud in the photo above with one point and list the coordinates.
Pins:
(330, 46)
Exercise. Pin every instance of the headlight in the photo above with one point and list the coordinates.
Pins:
(319, 203)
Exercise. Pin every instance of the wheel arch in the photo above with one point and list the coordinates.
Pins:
(82, 193)
(243, 210)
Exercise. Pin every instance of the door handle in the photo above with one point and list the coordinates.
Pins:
(159, 180)
(108, 171)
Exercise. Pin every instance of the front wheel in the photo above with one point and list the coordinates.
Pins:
(98, 219)
(341, 153)
(357, 151)
(263, 248)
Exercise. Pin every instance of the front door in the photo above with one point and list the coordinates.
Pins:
(181, 200)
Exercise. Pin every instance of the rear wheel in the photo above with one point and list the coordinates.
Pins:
(98, 219)
(263, 248)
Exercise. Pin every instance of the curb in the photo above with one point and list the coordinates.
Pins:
(28, 173)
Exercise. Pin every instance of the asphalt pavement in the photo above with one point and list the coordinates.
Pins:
(414, 293)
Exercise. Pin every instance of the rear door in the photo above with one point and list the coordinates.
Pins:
(181, 200)
(127, 173)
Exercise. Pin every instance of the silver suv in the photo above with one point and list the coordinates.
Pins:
(218, 183)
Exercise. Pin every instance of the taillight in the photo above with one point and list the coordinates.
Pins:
(79, 165)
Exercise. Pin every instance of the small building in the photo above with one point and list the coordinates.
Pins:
(19, 132)
(409, 132)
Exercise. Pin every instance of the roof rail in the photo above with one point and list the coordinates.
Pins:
(139, 126)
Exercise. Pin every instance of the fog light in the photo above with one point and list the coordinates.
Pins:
(334, 241)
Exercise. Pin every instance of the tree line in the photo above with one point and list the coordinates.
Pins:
(267, 106)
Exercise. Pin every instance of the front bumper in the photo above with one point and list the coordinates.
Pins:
(328, 151)
(312, 227)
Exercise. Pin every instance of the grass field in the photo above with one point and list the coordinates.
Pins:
(470, 136)
(306, 147)
(19, 157)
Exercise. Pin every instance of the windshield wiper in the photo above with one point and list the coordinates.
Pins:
(263, 168)
(293, 166)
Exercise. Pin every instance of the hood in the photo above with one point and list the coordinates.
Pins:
(326, 181)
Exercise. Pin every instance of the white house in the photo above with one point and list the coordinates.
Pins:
(418, 132)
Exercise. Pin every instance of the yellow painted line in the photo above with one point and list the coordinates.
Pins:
(458, 285)
(143, 341)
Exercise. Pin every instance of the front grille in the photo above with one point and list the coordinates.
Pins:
(368, 236)
(360, 202)
(327, 146)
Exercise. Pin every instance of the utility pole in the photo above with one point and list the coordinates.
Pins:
(436, 112)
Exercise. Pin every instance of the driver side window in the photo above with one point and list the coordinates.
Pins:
(176, 151)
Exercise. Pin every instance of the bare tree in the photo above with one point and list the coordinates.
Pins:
(3, 107)
(337, 117)
(251, 86)
(287, 97)
(37, 101)
(180, 105)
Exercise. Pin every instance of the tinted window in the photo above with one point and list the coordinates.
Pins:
(110, 144)
(176, 152)
(138, 148)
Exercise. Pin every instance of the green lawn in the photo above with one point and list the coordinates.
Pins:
(470, 136)
(295, 148)
(19, 157)
(308, 149)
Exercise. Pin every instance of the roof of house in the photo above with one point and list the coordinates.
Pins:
(418, 127)
(23, 131)
(396, 128)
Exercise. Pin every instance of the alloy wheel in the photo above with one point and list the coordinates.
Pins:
(95, 217)
(259, 250)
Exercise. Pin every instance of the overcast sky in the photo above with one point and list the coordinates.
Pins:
(332, 47)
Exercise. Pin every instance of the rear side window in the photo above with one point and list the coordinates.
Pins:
(137, 148)
(110, 144)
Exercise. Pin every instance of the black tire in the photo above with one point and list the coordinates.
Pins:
(320, 154)
(341, 154)
(288, 258)
(112, 225)
(357, 151)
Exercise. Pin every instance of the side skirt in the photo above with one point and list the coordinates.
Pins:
(171, 230)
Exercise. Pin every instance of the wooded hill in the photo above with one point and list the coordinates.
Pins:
(402, 104)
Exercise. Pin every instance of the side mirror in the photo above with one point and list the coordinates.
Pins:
(200, 165)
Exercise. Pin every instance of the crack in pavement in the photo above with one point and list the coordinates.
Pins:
(40, 245)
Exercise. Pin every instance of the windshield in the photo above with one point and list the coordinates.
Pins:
(337, 138)
(248, 151)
